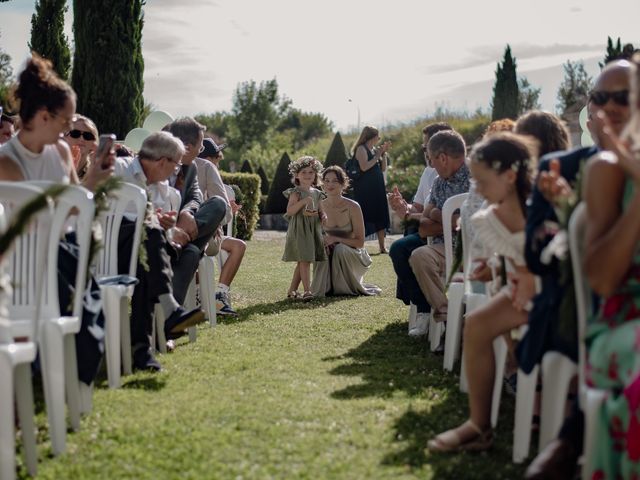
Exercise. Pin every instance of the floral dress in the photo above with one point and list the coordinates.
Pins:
(613, 342)
(304, 235)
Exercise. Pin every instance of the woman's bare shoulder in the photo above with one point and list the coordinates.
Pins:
(9, 170)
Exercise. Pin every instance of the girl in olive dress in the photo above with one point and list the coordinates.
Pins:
(304, 244)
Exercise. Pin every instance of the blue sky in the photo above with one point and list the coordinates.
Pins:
(395, 60)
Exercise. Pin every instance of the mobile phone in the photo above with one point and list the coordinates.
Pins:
(105, 144)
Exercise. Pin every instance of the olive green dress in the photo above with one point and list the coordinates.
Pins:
(304, 235)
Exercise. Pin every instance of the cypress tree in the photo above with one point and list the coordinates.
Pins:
(264, 181)
(47, 35)
(337, 154)
(506, 93)
(276, 201)
(108, 63)
(246, 167)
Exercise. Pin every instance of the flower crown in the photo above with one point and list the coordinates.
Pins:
(304, 162)
(497, 166)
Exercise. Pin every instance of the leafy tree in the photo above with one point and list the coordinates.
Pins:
(264, 181)
(276, 201)
(337, 154)
(256, 109)
(506, 95)
(246, 167)
(529, 96)
(217, 123)
(574, 89)
(47, 35)
(6, 78)
(108, 64)
(305, 126)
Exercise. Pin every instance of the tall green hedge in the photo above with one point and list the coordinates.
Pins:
(276, 202)
(337, 154)
(264, 181)
(247, 217)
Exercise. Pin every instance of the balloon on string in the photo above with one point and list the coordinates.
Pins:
(156, 120)
(135, 137)
(585, 139)
(584, 116)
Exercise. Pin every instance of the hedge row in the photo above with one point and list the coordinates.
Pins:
(247, 217)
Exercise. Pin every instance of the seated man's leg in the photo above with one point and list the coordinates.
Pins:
(408, 289)
(208, 217)
(235, 249)
(427, 264)
(185, 266)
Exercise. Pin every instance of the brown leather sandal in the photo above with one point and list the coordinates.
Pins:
(293, 294)
(450, 440)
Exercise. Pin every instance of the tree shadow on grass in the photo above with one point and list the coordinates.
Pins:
(282, 306)
(389, 362)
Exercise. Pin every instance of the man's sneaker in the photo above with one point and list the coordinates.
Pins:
(420, 326)
(223, 304)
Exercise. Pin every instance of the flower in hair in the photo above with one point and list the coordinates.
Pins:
(304, 162)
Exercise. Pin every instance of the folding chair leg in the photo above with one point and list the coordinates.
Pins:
(125, 336)
(525, 396)
(111, 306)
(52, 363)
(7, 414)
(500, 353)
(161, 340)
(71, 381)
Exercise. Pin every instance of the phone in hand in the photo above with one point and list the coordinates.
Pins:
(105, 145)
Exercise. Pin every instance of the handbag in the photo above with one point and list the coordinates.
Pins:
(352, 168)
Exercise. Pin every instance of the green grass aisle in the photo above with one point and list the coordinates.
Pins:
(329, 389)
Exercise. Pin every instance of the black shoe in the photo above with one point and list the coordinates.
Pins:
(143, 359)
(180, 320)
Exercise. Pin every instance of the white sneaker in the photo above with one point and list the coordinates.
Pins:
(420, 326)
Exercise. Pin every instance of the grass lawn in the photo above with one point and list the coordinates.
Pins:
(329, 389)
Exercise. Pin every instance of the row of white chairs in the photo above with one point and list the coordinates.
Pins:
(557, 370)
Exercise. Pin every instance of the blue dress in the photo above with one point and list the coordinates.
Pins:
(369, 191)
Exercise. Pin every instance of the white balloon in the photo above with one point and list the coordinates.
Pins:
(156, 120)
(584, 116)
(135, 137)
(586, 140)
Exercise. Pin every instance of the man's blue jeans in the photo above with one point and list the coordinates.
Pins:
(407, 288)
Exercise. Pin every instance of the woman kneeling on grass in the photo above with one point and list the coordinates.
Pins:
(348, 260)
(500, 166)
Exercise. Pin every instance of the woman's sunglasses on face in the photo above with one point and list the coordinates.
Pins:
(600, 98)
(88, 136)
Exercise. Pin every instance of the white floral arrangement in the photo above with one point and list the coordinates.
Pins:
(304, 162)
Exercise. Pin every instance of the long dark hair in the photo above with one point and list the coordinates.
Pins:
(40, 87)
(503, 151)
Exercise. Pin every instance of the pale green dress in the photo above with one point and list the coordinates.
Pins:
(304, 235)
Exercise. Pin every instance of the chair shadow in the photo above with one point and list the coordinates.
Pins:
(282, 306)
(151, 382)
(389, 362)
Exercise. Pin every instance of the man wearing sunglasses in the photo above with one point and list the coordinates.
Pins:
(611, 96)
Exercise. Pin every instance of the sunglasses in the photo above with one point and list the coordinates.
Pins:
(88, 136)
(600, 98)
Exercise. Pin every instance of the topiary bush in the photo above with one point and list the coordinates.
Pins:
(264, 181)
(247, 217)
(276, 202)
(246, 167)
(337, 154)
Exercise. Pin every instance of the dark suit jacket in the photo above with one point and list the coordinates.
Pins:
(190, 192)
(543, 318)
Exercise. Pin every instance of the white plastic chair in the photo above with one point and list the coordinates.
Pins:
(15, 369)
(116, 298)
(34, 269)
(591, 399)
(455, 293)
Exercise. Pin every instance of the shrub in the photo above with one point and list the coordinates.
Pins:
(276, 202)
(337, 154)
(247, 217)
(264, 181)
(406, 179)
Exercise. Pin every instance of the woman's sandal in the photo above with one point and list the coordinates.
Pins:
(450, 440)
(293, 294)
(307, 295)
